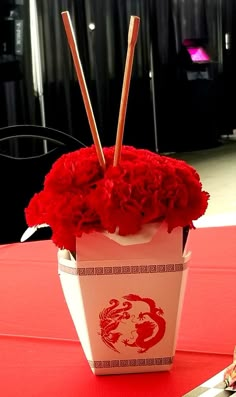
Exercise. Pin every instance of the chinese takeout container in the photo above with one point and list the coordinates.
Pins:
(125, 297)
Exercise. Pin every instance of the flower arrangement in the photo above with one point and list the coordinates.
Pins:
(123, 191)
(115, 189)
(79, 196)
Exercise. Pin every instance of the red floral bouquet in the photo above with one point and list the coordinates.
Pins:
(79, 196)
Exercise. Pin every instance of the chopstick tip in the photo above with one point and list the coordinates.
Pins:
(133, 29)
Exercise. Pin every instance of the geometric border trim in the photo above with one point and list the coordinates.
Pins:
(117, 270)
(136, 362)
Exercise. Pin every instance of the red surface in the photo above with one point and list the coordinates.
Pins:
(208, 321)
(32, 304)
(30, 293)
(36, 368)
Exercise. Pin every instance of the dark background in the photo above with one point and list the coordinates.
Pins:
(166, 111)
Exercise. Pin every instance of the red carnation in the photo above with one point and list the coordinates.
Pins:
(79, 197)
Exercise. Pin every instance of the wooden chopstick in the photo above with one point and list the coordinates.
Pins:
(84, 91)
(132, 39)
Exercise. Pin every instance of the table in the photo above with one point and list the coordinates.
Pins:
(40, 354)
(42, 367)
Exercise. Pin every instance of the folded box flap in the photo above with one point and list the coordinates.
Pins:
(162, 247)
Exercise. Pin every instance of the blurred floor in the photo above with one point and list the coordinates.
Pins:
(217, 170)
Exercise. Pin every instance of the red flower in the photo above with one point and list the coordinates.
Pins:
(79, 197)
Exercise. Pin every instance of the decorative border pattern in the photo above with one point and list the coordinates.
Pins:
(117, 270)
(136, 362)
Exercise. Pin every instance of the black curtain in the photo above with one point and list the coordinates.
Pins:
(188, 112)
(160, 99)
(228, 75)
(17, 101)
(103, 54)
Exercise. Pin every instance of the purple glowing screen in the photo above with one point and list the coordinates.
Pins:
(198, 54)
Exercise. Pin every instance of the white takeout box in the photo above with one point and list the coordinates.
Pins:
(125, 297)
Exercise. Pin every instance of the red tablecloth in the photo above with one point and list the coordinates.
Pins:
(47, 368)
(40, 354)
